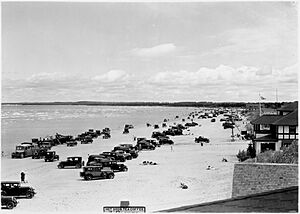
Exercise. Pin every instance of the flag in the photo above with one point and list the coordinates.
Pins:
(262, 98)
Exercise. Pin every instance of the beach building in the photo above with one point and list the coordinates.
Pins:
(272, 132)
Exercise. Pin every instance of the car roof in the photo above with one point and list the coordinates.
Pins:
(10, 182)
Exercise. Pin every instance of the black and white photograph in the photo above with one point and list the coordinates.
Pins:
(148, 106)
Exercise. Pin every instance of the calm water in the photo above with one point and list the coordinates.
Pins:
(22, 123)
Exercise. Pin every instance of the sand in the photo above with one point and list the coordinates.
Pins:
(155, 187)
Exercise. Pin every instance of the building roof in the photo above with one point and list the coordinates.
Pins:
(289, 119)
(289, 107)
(282, 200)
(266, 119)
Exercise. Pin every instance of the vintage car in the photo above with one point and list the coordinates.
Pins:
(98, 158)
(93, 172)
(71, 162)
(201, 139)
(72, 143)
(228, 125)
(51, 156)
(114, 156)
(127, 149)
(39, 153)
(45, 145)
(14, 188)
(145, 145)
(125, 154)
(9, 202)
(24, 150)
(87, 139)
(165, 141)
(106, 135)
(114, 165)
(157, 134)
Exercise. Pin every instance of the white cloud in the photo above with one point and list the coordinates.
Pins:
(158, 50)
(207, 76)
(112, 76)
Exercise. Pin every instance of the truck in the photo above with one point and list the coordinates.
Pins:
(24, 150)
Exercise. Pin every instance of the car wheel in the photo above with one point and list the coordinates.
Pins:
(60, 166)
(10, 205)
(111, 176)
(3, 193)
(78, 166)
(29, 195)
(88, 177)
(125, 169)
(22, 156)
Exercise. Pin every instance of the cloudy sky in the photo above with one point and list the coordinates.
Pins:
(196, 51)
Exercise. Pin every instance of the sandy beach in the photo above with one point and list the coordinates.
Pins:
(155, 187)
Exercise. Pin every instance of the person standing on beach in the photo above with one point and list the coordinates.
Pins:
(171, 148)
(22, 177)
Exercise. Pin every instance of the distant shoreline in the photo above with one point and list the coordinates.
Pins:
(169, 104)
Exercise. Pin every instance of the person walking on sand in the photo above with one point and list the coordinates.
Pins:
(171, 148)
(22, 177)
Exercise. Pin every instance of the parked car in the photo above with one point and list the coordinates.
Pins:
(125, 154)
(45, 144)
(201, 139)
(72, 143)
(145, 145)
(39, 153)
(127, 149)
(51, 156)
(14, 188)
(24, 150)
(165, 141)
(9, 202)
(114, 156)
(114, 165)
(71, 162)
(86, 140)
(93, 172)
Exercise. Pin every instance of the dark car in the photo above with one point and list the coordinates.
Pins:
(71, 162)
(39, 153)
(145, 145)
(14, 188)
(114, 155)
(125, 154)
(127, 149)
(114, 165)
(165, 141)
(201, 139)
(86, 140)
(93, 172)
(51, 156)
(72, 143)
(9, 202)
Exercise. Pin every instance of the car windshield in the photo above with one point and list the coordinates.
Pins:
(20, 148)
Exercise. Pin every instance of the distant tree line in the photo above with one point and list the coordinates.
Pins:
(171, 104)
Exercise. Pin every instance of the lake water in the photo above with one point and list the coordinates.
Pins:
(22, 123)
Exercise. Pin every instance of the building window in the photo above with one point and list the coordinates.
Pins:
(264, 127)
(280, 136)
(280, 129)
(286, 129)
(292, 129)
